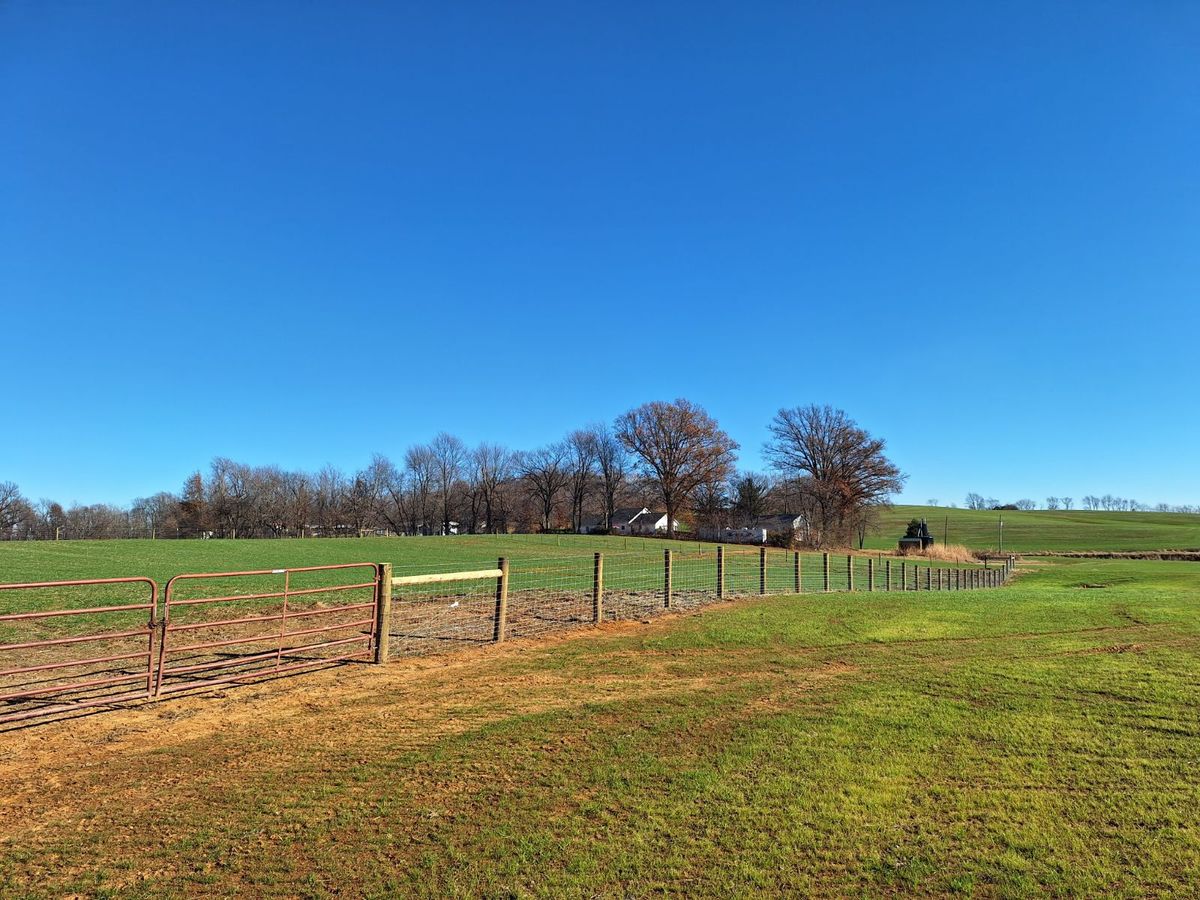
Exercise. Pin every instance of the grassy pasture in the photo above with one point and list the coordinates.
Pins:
(1040, 739)
(1045, 530)
(538, 561)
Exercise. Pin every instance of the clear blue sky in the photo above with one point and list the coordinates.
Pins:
(304, 232)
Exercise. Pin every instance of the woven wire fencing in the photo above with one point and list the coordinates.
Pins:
(549, 595)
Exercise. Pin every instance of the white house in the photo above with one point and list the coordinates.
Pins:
(756, 532)
(639, 521)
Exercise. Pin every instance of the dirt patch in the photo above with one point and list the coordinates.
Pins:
(1113, 648)
(51, 771)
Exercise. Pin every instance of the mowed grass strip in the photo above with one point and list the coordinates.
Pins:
(1038, 739)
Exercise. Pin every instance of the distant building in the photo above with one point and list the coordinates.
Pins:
(757, 531)
(639, 521)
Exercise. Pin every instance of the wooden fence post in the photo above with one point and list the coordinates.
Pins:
(598, 589)
(383, 613)
(928, 578)
(887, 583)
(797, 580)
(850, 571)
(870, 573)
(762, 570)
(825, 567)
(501, 600)
(720, 572)
(904, 576)
(667, 579)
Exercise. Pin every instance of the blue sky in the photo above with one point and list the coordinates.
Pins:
(302, 233)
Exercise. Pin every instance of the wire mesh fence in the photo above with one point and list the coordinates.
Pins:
(69, 645)
(546, 595)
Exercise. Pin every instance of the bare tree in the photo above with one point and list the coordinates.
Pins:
(387, 489)
(491, 467)
(846, 467)
(449, 454)
(710, 506)
(679, 447)
(1068, 502)
(613, 462)
(329, 490)
(581, 467)
(545, 473)
(419, 467)
(13, 509)
(975, 501)
(1051, 503)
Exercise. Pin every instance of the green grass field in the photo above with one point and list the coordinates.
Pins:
(47, 560)
(1044, 530)
(1039, 739)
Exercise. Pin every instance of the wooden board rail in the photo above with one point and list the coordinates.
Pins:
(448, 576)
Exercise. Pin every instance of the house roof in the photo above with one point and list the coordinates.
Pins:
(627, 515)
(768, 522)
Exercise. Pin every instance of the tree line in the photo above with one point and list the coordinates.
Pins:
(1091, 502)
(668, 456)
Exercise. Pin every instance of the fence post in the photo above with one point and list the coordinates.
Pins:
(666, 579)
(501, 600)
(887, 583)
(850, 571)
(825, 567)
(598, 589)
(928, 578)
(383, 613)
(870, 573)
(904, 576)
(720, 571)
(762, 570)
(798, 582)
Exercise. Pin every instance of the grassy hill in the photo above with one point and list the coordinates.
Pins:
(1047, 530)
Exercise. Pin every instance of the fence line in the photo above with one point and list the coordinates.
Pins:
(220, 628)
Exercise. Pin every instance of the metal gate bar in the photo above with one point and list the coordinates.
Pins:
(281, 636)
(56, 695)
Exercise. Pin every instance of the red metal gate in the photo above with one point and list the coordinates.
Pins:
(236, 636)
(61, 669)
